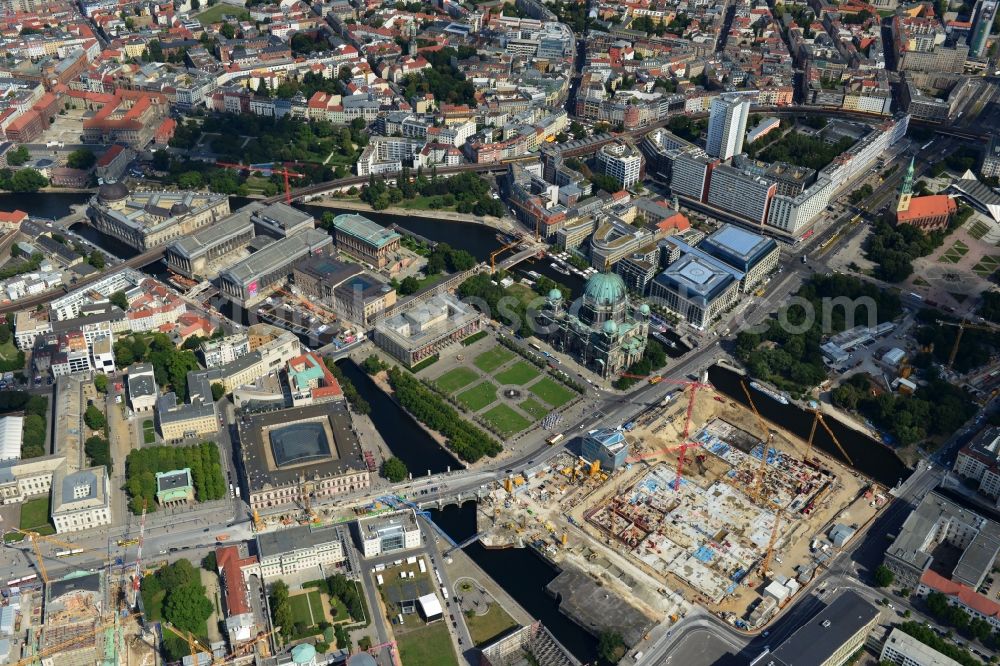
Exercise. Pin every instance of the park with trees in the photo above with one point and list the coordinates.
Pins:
(174, 593)
(464, 193)
(170, 364)
(141, 467)
(792, 360)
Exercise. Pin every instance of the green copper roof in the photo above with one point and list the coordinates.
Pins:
(303, 653)
(907, 187)
(555, 294)
(605, 289)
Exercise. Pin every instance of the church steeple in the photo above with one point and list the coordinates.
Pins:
(906, 190)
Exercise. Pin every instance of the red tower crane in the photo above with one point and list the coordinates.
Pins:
(686, 442)
(267, 169)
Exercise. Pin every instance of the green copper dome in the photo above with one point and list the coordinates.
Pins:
(644, 310)
(605, 289)
(303, 653)
(555, 295)
(610, 327)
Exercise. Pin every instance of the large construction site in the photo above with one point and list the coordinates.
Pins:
(81, 616)
(712, 504)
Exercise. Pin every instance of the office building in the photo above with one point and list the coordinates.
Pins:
(289, 551)
(80, 499)
(301, 454)
(606, 334)
(982, 24)
(829, 638)
(923, 47)
(362, 239)
(178, 421)
(606, 445)
(741, 193)
(753, 255)
(727, 125)
(690, 173)
(251, 280)
(979, 462)
(622, 161)
(220, 351)
(902, 649)
(425, 327)
(937, 521)
(141, 385)
(697, 288)
(991, 160)
(146, 219)
(388, 533)
(793, 213)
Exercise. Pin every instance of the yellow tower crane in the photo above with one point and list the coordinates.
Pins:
(504, 248)
(765, 564)
(762, 471)
(962, 325)
(818, 418)
(34, 537)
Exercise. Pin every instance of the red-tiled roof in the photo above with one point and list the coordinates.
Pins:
(228, 559)
(977, 602)
(921, 208)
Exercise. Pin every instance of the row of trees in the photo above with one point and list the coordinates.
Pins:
(34, 442)
(176, 594)
(791, 359)
(354, 399)
(142, 465)
(170, 365)
(928, 637)
(468, 441)
(98, 451)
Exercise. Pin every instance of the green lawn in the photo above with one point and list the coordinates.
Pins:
(35, 517)
(8, 352)
(986, 265)
(426, 646)
(506, 420)
(535, 408)
(484, 628)
(215, 14)
(301, 604)
(425, 203)
(455, 379)
(520, 373)
(338, 610)
(490, 360)
(478, 396)
(551, 391)
(977, 229)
